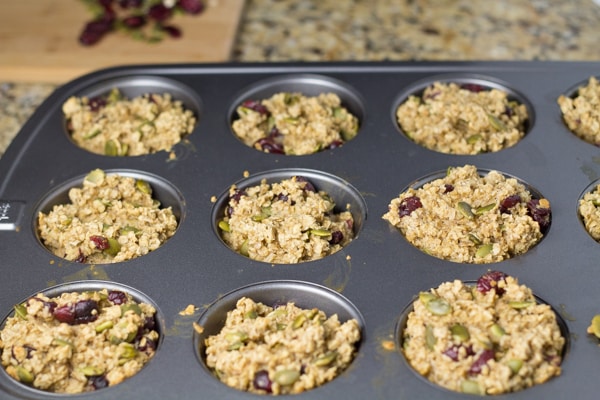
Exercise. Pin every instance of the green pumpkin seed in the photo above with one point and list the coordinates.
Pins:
(484, 209)
(91, 370)
(319, 232)
(474, 139)
(497, 331)
(430, 339)
(349, 134)
(514, 365)
(251, 315)
(24, 375)
(104, 326)
(496, 123)
(128, 351)
(426, 297)
(473, 238)
(95, 176)
(21, 311)
(111, 148)
(326, 359)
(131, 307)
(265, 212)
(224, 226)
(62, 342)
(596, 325)
(459, 333)
(439, 306)
(244, 248)
(286, 377)
(299, 321)
(92, 134)
(113, 247)
(143, 186)
(484, 250)
(470, 387)
(520, 304)
(465, 209)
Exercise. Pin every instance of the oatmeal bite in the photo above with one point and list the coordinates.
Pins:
(280, 350)
(78, 342)
(294, 124)
(489, 338)
(581, 113)
(284, 222)
(462, 119)
(110, 219)
(113, 125)
(469, 218)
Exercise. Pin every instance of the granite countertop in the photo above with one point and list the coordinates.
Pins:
(376, 30)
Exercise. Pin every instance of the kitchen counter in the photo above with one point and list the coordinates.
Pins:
(364, 30)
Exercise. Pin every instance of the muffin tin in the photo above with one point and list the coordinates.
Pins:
(375, 278)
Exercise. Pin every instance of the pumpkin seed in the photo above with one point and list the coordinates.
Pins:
(459, 333)
(465, 209)
(286, 377)
(484, 250)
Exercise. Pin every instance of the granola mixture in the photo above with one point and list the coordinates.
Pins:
(110, 219)
(284, 222)
(462, 119)
(468, 218)
(581, 113)
(590, 213)
(78, 342)
(491, 338)
(281, 350)
(293, 124)
(116, 126)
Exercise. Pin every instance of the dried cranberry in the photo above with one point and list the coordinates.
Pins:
(65, 314)
(130, 3)
(282, 197)
(28, 351)
(98, 381)
(448, 188)
(482, 360)
(100, 242)
(159, 12)
(147, 345)
(539, 214)
(509, 203)
(454, 351)
(85, 311)
(149, 323)
(261, 381)
(81, 258)
(408, 205)
(191, 6)
(336, 237)
(308, 186)
(256, 106)
(117, 297)
(134, 21)
(96, 103)
(172, 31)
(79, 313)
(473, 87)
(268, 145)
(237, 195)
(490, 280)
(334, 145)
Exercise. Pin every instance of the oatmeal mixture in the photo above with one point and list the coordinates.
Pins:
(290, 123)
(78, 342)
(462, 119)
(280, 350)
(468, 218)
(486, 339)
(590, 213)
(285, 222)
(581, 113)
(116, 126)
(110, 219)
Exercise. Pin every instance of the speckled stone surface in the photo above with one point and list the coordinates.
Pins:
(334, 30)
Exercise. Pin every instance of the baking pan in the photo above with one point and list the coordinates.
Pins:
(375, 278)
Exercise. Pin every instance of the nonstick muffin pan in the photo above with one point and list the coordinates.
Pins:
(374, 279)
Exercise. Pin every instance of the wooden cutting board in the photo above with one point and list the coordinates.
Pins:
(39, 40)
